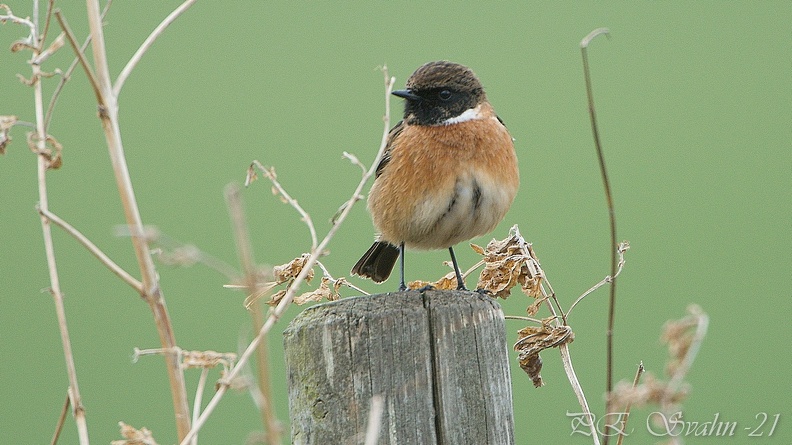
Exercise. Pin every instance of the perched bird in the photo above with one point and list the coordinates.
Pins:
(449, 171)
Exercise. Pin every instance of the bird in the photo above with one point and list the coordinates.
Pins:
(448, 172)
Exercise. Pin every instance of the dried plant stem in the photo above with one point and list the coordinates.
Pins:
(78, 410)
(95, 251)
(271, 424)
(623, 246)
(66, 75)
(566, 359)
(286, 301)
(133, 61)
(638, 373)
(61, 421)
(306, 218)
(550, 298)
(611, 213)
(678, 378)
(152, 294)
(198, 398)
(80, 56)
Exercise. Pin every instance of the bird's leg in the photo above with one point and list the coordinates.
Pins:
(402, 286)
(460, 281)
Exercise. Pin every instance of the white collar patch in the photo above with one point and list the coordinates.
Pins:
(469, 115)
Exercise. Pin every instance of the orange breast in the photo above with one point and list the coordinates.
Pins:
(445, 184)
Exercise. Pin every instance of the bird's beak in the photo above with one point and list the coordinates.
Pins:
(406, 94)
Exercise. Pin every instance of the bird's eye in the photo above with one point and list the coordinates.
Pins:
(444, 95)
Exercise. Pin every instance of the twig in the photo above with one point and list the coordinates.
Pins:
(78, 410)
(611, 212)
(61, 421)
(65, 76)
(198, 398)
(623, 246)
(47, 20)
(119, 83)
(80, 56)
(269, 173)
(374, 419)
(523, 318)
(638, 373)
(95, 251)
(245, 253)
(108, 114)
(346, 283)
(286, 301)
(566, 359)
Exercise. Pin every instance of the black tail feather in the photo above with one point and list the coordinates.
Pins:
(377, 263)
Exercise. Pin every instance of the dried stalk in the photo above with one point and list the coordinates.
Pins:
(95, 251)
(133, 61)
(108, 113)
(315, 254)
(611, 213)
(566, 358)
(638, 373)
(66, 75)
(75, 400)
(272, 428)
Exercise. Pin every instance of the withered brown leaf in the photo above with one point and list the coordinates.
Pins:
(533, 340)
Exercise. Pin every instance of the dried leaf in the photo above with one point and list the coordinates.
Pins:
(447, 282)
(508, 263)
(207, 359)
(274, 300)
(290, 270)
(533, 340)
(52, 150)
(6, 122)
(134, 436)
(251, 175)
(650, 391)
(478, 249)
(322, 293)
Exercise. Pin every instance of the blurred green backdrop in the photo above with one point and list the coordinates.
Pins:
(695, 105)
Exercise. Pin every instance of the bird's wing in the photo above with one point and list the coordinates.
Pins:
(392, 134)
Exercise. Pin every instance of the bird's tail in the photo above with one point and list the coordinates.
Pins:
(377, 263)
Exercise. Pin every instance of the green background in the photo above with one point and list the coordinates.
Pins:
(695, 107)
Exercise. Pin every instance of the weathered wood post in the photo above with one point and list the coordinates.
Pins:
(439, 359)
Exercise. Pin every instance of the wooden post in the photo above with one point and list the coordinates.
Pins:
(439, 359)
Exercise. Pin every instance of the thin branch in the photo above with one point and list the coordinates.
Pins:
(119, 83)
(75, 401)
(65, 76)
(95, 251)
(346, 283)
(611, 212)
(108, 115)
(198, 397)
(623, 246)
(47, 20)
(566, 359)
(523, 318)
(276, 313)
(622, 428)
(61, 420)
(9, 16)
(269, 173)
(83, 61)
(245, 253)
